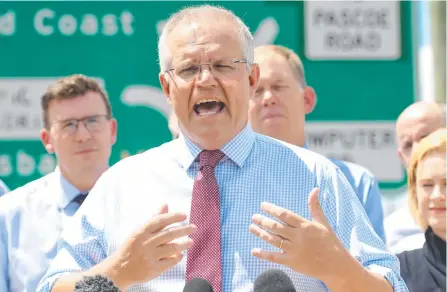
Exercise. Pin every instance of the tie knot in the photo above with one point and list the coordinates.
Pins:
(80, 198)
(210, 158)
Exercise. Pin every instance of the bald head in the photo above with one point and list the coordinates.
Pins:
(414, 123)
(422, 110)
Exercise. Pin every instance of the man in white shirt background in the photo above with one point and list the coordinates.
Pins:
(80, 130)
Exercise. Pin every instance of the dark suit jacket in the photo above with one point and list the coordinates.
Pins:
(423, 270)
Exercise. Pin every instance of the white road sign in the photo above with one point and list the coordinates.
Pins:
(352, 30)
(20, 109)
(370, 144)
(20, 113)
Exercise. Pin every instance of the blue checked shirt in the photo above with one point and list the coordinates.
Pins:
(256, 169)
(31, 220)
(366, 188)
(3, 188)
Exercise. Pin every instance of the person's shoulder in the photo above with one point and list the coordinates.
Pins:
(32, 191)
(353, 167)
(411, 263)
(151, 158)
(402, 214)
(359, 175)
(401, 231)
(289, 151)
(410, 255)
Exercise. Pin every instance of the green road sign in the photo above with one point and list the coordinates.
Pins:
(116, 42)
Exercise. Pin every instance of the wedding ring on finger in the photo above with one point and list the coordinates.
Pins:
(282, 242)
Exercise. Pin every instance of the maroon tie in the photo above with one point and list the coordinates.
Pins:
(204, 257)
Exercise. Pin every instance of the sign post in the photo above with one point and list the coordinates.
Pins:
(357, 52)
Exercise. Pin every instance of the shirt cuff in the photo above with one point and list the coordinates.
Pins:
(47, 283)
(391, 276)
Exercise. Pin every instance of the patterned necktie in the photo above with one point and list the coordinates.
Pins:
(80, 198)
(204, 257)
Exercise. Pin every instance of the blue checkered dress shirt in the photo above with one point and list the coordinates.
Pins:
(255, 169)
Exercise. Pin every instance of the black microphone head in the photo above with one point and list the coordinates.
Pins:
(198, 285)
(95, 284)
(273, 281)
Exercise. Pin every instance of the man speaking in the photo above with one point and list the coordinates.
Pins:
(209, 192)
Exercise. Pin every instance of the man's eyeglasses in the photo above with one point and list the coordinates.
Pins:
(92, 123)
(223, 68)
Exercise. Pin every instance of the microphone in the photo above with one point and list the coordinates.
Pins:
(198, 285)
(273, 281)
(95, 284)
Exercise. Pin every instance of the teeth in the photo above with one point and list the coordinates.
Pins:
(206, 100)
(208, 109)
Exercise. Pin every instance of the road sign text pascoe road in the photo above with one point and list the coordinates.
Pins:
(20, 110)
(352, 30)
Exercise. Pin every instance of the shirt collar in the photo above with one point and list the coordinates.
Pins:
(237, 149)
(306, 144)
(64, 191)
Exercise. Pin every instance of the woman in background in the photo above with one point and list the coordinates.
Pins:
(424, 269)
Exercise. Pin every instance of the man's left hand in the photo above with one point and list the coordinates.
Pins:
(308, 247)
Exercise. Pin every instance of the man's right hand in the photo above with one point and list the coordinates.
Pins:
(150, 251)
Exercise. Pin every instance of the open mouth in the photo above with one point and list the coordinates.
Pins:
(208, 107)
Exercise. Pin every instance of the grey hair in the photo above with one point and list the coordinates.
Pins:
(203, 12)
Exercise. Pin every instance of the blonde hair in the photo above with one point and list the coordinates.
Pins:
(435, 142)
(291, 58)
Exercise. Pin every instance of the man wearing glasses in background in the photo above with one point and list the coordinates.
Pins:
(80, 130)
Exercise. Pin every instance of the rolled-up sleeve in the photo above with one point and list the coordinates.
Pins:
(352, 226)
(82, 243)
